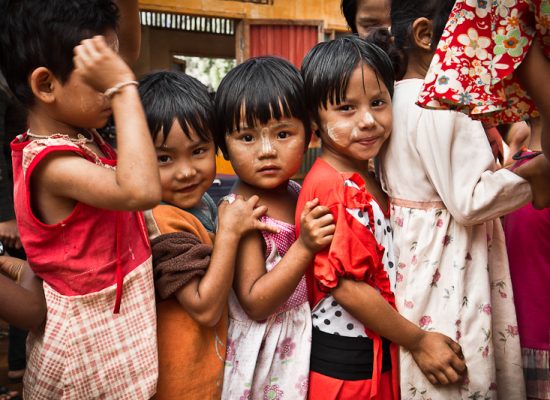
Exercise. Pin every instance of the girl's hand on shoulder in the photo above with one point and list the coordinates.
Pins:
(439, 358)
(99, 65)
(242, 216)
(317, 226)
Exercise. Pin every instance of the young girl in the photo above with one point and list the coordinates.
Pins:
(439, 173)
(193, 276)
(493, 63)
(76, 213)
(349, 84)
(263, 130)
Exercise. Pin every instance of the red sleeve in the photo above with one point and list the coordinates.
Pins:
(354, 252)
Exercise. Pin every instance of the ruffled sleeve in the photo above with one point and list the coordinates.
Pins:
(354, 252)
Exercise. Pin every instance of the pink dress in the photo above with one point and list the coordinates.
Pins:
(270, 359)
(528, 242)
(484, 42)
(99, 339)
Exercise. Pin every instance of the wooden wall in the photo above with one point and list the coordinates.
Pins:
(326, 10)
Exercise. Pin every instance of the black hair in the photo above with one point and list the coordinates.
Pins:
(349, 9)
(261, 89)
(327, 69)
(403, 14)
(38, 33)
(169, 96)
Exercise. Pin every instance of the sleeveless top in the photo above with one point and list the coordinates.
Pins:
(85, 351)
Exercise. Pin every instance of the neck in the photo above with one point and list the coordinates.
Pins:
(343, 164)
(418, 65)
(42, 124)
(245, 189)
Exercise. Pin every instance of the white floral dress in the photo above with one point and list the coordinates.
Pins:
(452, 268)
(269, 360)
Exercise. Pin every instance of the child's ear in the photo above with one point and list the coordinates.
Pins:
(42, 82)
(315, 129)
(422, 34)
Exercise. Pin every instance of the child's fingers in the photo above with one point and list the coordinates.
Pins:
(262, 226)
(432, 378)
(457, 349)
(259, 211)
(310, 205)
(318, 212)
(253, 200)
(459, 365)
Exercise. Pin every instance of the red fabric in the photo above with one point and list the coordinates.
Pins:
(92, 248)
(327, 388)
(354, 252)
(291, 42)
(473, 69)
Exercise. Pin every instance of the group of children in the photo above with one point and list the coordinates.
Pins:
(342, 289)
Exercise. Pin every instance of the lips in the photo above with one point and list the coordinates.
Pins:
(368, 141)
(187, 189)
(269, 168)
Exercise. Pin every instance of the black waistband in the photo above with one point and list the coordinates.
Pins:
(346, 358)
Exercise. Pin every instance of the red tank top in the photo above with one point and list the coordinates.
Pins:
(89, 250)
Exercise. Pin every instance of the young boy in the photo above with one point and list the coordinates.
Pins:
(75, 211)
(192, 277)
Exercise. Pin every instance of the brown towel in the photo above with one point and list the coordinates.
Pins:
(177, 258)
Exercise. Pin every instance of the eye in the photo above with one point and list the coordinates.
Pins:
(164, 159)
(378, 103)
(345, 108)
(199, 151)
(283, 135)
(247, 138)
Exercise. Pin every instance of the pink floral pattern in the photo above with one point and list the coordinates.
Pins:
(286, 348)
(270, 359)
(483, 43)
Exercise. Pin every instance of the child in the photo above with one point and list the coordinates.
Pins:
(76, 213)
(349, 84)
(263, 129)
(363, 16)
(527, 233)
(493, 63)
(192, 279)
(452, 267)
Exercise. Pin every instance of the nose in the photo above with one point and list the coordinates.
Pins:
(267, 148)
(186, 171)
(366, 120)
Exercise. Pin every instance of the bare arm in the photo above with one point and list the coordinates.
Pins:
(24, 305)
(439, 357)
(205, 298)
(129, 30)
(135, 185)
(260, 292)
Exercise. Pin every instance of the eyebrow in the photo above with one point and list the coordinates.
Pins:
(275, 125)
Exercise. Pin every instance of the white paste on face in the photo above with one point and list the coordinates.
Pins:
(267, 145)
(341, 132)
(368, 119)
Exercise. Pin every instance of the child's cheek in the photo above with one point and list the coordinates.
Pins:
(341, 132)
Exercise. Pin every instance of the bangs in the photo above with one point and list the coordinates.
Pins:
(257, 91)
(169, 96)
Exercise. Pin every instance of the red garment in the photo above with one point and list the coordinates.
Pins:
(92, 248)
(474, 67)
(325, 387)
(354, 252)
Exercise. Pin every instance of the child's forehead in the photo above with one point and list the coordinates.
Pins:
(273, 123)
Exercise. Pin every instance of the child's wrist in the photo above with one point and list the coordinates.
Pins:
(112, 91)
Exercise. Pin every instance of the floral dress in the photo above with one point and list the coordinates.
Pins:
(482, 45)
(269, 360)
(452, 266)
